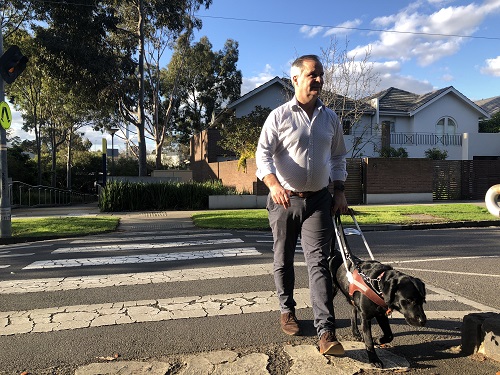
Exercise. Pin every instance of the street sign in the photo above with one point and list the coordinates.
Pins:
(5, 115)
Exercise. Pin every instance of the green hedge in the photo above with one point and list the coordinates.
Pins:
(139, 196)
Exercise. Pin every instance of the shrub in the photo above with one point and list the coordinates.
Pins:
(391, 152)
(436, 154)
(137, 196)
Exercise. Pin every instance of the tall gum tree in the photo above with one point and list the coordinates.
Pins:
(206, 80)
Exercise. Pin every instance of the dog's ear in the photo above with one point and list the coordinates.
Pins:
(389, 290)
(419, 284)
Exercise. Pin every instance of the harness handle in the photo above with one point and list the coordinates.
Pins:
(351, 212)
(344, 247)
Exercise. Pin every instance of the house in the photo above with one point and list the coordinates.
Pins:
(444, 119)
(204, 145)
(271, 94)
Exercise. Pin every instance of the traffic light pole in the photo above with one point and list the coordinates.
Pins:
(5, 210)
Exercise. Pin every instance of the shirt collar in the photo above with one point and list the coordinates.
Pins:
(295, 104)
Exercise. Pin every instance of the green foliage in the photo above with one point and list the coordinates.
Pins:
(20, 166)
(391, 152)
(436, 154)
(241, 134)
(204, 79)
(490, 126)
(133, 196)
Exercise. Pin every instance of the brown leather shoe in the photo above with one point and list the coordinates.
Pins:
(328, 344)
(290, 324)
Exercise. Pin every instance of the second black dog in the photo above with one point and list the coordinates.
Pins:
(398, 291)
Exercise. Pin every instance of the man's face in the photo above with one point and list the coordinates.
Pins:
(309, 83)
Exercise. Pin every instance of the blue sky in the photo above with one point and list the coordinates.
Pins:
(272, 33)
(418, 46)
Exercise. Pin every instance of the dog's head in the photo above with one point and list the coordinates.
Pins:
(406, 294)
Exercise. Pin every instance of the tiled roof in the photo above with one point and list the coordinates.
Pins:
(490, 105)
(398, 100)
(394, 99)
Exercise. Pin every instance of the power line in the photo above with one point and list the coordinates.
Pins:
(350, 28)
(302, 24)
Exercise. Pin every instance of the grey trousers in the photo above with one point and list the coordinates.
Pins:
(311, 219)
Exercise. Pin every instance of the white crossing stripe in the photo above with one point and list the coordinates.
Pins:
(140, 246)
(16, 255)
(140, 278)
(83, 316)
(142, 258)
(152, 236)
(116, 313)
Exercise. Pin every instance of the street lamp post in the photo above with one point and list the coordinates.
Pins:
(112, 131)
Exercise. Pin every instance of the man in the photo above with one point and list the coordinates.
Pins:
(300, 150)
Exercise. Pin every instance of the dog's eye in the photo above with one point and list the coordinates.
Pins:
(404, 303)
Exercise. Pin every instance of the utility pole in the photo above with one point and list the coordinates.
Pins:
(5, 210)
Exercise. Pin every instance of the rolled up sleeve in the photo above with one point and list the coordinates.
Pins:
(338, 162)
(265, 150)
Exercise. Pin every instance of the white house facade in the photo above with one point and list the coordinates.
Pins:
(444, 119)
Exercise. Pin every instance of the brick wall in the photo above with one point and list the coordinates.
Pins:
(228, 173)
(205, 147)
(395, 176)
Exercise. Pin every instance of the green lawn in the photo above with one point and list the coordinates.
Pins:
(63, 226)
(256, 219)
(365, 215)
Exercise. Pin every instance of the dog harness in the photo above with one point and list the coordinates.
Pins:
(359, 284)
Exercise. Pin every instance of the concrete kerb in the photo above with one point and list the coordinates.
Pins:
(305, 360)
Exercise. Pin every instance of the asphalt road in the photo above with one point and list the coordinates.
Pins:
(53, 293)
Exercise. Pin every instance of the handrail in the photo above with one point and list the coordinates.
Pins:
(22, 195)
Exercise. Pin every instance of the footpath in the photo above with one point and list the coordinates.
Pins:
(304, 359)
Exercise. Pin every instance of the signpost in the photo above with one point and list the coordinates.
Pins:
(12, 63)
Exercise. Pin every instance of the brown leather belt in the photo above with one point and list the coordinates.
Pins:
(304, 194)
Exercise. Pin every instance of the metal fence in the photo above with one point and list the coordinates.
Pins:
(25, 195)
(431, 139)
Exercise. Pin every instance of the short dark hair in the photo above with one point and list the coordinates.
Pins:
(299, 63)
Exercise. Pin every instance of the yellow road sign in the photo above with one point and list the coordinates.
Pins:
(5, 115)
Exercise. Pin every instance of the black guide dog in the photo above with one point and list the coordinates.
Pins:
(376, 289)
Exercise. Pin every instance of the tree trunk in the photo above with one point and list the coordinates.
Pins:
(140, 109)
(53, 155)
(69, 161)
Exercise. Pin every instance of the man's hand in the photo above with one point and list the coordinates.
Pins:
(278, 192)
(339, 203)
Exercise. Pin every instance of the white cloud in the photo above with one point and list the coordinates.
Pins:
(414, 34)
(492, 67)
(390, 76)
(311, 31)
(343, 28)
(447, 77)
(252, 83)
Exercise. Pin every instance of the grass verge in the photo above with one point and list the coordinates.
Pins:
(62, 226)
(365, 215)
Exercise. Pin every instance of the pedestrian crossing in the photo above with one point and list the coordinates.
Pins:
(191, 248)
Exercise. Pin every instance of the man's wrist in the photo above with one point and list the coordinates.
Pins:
(339, 187)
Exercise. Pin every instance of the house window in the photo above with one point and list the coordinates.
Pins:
(446, 125)
(346, 124)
